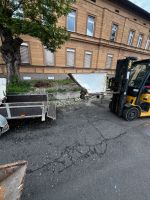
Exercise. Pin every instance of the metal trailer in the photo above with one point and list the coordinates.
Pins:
(27, 106)
(23, 106)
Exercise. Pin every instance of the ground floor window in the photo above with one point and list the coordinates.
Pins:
(49, 57)
(24, 52)
(88, 59)
(109, 60)
(70, 58)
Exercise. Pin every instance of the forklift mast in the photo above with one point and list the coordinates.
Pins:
(119, 85)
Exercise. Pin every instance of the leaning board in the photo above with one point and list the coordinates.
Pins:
(94, 83)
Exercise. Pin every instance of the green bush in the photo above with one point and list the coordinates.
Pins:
(77, 89)
(54, 90)
(19, 87)
(64, 82)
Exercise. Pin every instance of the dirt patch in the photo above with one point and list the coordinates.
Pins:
(43, 84)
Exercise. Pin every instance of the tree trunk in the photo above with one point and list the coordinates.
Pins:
(10, 50)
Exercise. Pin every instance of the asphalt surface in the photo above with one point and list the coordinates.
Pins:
(88, 153)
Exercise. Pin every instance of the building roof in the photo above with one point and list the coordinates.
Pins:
(134, 8)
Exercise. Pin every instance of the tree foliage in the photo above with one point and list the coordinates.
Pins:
(37, 18)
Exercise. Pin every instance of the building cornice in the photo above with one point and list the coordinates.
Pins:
(103, 42)
(133, 8)
(90, 2)
(124, 47)
(59, 67)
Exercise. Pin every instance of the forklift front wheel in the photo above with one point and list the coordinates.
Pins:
(131, 113)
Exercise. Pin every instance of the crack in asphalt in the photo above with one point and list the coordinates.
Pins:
(79, 152)
(73, 153)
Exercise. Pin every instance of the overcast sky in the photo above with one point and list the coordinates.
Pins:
(143, 3)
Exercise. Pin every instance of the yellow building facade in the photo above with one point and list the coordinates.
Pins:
(102, 31)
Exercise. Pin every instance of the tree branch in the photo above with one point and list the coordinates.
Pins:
(1, 33)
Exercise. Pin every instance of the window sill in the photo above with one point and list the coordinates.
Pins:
(71, 31)
(25, 64)
(93, 2)
(90, 36)
(50, 66)
(112, 41)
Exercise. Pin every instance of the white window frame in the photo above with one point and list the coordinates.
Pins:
(140, 40)
(93, 25)
(26, 77)
(25, 44)
(70, 15)
(147, 43)
(115, 30)
(45, 58)
(70, 50)
(109, 56)
(90, 64)
(131, 37)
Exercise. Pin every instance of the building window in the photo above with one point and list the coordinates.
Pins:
(90, 26)
(147, 43)
(140, 40)
(109, 61)
(130, 38)
(49, 57)
(24, 53)
(71, 21)
(114, 32)
(70, 57)
(87, 59)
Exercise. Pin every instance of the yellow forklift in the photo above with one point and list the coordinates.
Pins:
(131, 89)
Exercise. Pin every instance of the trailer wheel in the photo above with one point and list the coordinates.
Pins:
(131, 113)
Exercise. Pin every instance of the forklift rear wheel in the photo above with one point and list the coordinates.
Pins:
(131, 114)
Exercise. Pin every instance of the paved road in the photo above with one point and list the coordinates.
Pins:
(87, 154)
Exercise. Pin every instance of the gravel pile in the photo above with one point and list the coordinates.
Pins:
(67, 102)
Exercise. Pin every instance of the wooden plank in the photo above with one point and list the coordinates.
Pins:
(11, 180)
(2, 192)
